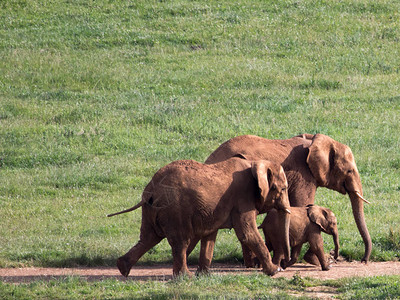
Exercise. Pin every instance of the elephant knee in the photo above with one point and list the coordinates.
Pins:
(243, 238)
(248, 238)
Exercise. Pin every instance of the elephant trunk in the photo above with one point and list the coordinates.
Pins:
(284, 220)
(336, 242)
(358, 213)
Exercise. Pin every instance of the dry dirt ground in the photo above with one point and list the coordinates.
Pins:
(164, 272)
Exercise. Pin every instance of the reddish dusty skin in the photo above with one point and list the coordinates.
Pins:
(186, 201)
(310, 161)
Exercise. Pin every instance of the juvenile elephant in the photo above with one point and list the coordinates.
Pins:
(306, 224)
(309, 161)
(187, 200)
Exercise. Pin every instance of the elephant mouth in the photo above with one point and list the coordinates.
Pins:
(343, 190)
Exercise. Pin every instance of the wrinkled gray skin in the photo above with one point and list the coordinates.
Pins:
(187, 200)
(306, 224)
(309, 161)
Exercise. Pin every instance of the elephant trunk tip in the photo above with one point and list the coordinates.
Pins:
(358, 212)
(364, 260)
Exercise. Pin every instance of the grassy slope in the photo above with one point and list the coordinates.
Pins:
(95, 97)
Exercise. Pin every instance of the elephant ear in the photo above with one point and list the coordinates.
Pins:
(263, 174)
(320, 158)
(318, 215)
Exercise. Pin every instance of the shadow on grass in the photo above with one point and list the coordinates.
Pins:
(58, 261)
(138, 273)
(79, 261)
(61, 260)
(84, 261)
(88, 278)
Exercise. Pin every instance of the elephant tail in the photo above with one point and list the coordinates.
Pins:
(144, 200)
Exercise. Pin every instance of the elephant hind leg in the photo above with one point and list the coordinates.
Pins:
(278, 256)
(179, 248)
(311, 258)
(147, 241)
(192, 245)
(249, 258)
(317, 248)
(206, 252)
(295, 255)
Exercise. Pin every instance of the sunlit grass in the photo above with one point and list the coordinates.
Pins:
(209, 287)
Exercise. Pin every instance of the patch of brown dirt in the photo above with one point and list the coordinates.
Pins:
(164, 272)
(320, 292)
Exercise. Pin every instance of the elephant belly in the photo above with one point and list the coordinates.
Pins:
(205, 225)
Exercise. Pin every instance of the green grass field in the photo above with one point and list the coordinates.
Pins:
(208, 287)
(95, 96)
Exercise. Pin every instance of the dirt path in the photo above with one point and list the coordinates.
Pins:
(164, 272)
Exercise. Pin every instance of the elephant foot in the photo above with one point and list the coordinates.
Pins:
(202, 271)
(182, 274)
(123, 266)
(326, 268)
(285, 264)
(272, 272)
(256, 263)
(249, 258)
(364, 260)
(251, 262)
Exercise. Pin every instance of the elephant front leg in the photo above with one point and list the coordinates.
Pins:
(246, 230)
(206, 253)
(317, 247)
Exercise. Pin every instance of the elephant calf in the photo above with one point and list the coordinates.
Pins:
(186, 201)
(306, 224)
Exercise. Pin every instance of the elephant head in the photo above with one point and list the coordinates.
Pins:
(273, 185)
(332, 165)
(327, 221)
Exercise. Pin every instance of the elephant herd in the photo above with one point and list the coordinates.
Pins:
(187, 202)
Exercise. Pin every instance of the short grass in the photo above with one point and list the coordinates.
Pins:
(209, 287)
(97, 96)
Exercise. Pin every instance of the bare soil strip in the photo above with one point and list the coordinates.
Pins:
(164, 272)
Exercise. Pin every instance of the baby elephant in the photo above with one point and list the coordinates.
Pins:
(187, 201)
(306, 224)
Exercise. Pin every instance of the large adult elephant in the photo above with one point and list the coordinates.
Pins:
(187, 200)
(309, 161)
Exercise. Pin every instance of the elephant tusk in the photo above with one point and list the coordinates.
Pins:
(362, 198)
(288, 211)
